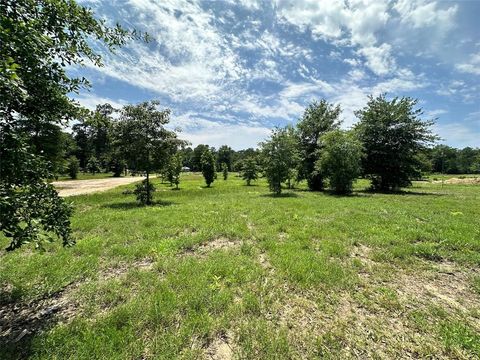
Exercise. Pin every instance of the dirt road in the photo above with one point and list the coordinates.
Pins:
(80, 187)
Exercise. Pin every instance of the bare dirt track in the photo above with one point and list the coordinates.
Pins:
(80, 187)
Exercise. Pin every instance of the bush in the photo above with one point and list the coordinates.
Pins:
(144, 192)
(340, 160)
(73, 167)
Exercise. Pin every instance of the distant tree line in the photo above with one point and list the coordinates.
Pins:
(448, 160)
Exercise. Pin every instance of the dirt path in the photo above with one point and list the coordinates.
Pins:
(80, 187)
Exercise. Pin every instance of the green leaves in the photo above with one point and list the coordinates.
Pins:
(209, 170)
(339, 160)
(392, 133)
(280, 156)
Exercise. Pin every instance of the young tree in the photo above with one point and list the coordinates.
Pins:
(93, 166)
(392, 133)
(175, 169)
(249, 170)
(318, 118)
(225, 171)
(209, 170)
(73, 166)
(340, 160)
(142, 139)
(39, 39)
(280, 155)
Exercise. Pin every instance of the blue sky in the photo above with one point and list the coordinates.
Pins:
(232, 70)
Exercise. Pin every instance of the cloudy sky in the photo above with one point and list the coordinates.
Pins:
(232, 70)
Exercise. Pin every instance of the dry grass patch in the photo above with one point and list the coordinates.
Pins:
(221, 348)
(220, 243)
(122, 268)
(459, 181)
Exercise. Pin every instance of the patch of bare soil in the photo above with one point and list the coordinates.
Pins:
(81, 187)
(122, 268)
(264, 262)
(447, 286)
(365, 323)
(458, 181)
(220, 348)
(220, 243)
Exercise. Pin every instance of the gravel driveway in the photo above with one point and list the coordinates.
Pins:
(80, 187)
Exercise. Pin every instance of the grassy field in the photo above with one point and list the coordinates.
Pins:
(233, 272)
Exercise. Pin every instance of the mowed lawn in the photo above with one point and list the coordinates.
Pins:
(233, 272)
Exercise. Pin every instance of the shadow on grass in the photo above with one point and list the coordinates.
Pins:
(353, 194)
(399, 192)
(22, 321)
(282, 195)
(135, 205)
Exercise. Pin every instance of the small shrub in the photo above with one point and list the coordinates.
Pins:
(144, 192)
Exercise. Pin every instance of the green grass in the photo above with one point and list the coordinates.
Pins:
(303, 275)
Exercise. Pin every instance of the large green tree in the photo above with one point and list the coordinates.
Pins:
(392, 133)
(319, 118)
(38, 40)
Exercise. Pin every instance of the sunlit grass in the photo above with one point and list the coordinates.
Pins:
(304, 275)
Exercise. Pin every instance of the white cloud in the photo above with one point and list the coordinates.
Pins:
(332, 19)
(420, 14)
(191, 60)
(201, 131)
(91, 100)
(472, 66)
(379, 58)
(435, 113)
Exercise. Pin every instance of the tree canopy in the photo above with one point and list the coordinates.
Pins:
(319, 118)
(392, 133)
(38, 40)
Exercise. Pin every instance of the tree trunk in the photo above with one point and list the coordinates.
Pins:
(148, 188)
